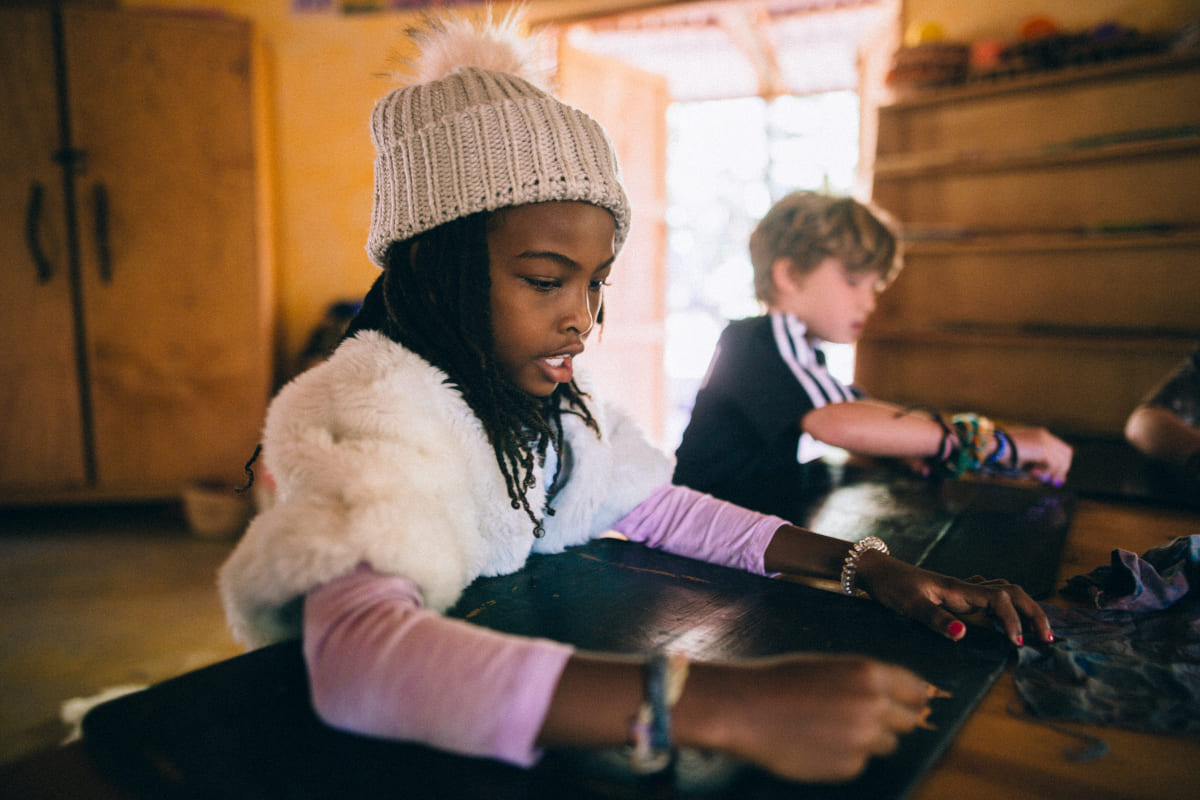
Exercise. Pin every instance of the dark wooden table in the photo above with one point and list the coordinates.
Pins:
(243, 728)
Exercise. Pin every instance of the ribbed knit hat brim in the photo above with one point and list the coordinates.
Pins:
(478, 140)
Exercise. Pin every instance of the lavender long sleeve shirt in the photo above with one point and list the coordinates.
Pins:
(382, 664)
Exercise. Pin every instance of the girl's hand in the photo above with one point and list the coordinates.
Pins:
(1041, 453)
(803, 717)
(936, 600)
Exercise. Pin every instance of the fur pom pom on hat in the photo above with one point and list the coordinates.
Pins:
(474, 133)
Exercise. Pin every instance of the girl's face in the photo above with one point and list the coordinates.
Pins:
(548, 264)
(833, 303)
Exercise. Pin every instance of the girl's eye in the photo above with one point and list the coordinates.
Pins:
(542, 284)
(596, 286)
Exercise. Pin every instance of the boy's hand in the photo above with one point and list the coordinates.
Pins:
(1041, 453)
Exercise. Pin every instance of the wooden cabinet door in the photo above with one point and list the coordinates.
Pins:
(41, 441)
(162, 105)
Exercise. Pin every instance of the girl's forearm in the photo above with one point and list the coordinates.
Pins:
(798, 551)
(598, 697)
(689, 523)
(593, 704)
(382, 665)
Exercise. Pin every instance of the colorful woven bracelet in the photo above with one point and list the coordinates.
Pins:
(975, 434)
(946, 446)
(650, 731)
(1006, 449)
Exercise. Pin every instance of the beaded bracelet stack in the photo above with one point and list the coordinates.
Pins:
(967, 441)
(975, 435)
(663, 678)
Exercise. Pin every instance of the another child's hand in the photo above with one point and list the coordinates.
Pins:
(804, 717)
(1041, 453)
(938, 600)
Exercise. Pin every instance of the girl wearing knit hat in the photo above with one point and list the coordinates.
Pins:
(450, 436)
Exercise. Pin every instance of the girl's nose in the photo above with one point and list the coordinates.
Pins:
(582, 315)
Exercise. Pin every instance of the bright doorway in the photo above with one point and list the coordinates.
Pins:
(764, 98)
(768, 148)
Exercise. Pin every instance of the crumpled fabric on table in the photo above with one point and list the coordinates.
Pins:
(1134, 661)
(1154, 580)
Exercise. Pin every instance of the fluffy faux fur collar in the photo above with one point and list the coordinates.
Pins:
(376, 459)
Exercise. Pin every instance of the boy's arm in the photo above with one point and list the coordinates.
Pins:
(874, 428)
(882, 430)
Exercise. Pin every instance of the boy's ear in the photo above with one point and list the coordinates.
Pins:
(783, 275)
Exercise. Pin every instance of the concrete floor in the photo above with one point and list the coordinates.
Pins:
(92, 598)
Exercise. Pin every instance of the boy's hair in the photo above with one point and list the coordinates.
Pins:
(434, 298)
(809, 227)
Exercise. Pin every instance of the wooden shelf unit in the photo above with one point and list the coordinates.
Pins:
(1052, 241)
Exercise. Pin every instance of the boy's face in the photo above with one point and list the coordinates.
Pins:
(548, 264)
(833, 303)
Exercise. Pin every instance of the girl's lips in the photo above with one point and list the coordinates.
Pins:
(558, 369)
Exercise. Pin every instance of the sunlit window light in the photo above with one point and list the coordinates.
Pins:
(727, 161)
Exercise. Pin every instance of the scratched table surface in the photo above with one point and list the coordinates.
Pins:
(995, 528)
(244, 728)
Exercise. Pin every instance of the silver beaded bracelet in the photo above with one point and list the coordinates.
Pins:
(850, 565)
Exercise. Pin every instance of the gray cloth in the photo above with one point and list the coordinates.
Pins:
(1134, 661)
(1152, 581)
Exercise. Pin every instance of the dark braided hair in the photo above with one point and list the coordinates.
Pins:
(434, 297)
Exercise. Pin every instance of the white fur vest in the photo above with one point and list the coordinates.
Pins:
(377, 460)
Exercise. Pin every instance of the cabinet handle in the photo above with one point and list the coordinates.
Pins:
(103, 253)
(33, 224)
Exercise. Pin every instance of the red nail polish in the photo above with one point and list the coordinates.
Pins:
(1049, 636)
(1020, 640)
(956, 629)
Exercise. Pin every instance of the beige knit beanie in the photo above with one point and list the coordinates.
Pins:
(471, 134)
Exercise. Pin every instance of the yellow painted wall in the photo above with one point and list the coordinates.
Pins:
(975, 19)
(326, 71)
